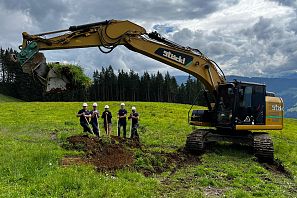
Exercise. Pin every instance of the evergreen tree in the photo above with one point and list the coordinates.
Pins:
(133, 86)
(145, 85)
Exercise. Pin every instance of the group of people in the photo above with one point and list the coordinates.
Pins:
(88, 118)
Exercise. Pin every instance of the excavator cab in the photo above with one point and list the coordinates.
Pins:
(240, 103)
(240, 110)
(242, 106)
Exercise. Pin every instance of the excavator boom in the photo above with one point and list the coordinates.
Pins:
(109, 34)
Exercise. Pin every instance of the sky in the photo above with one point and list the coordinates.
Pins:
(245, 37)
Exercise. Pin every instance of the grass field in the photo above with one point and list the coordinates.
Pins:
(29, 158)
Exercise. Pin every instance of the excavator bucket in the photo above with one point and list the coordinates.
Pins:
(36, 66)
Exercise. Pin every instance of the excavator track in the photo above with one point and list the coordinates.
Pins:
(196, 141)
(263, 147)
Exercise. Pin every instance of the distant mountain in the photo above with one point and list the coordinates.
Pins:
(290, 76)
(285, 87)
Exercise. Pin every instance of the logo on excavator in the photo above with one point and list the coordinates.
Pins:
(276, 107)
(178, 57)
(172, 56)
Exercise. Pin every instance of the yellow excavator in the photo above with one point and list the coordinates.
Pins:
(237, 111)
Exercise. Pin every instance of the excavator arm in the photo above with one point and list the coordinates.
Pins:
(107, 35)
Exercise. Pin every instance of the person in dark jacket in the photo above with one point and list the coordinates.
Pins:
(106, 116)
(122, 120)
(84, 116)
(94, 120)
(134, 116)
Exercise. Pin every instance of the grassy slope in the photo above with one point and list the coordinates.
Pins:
(4, 98)
(30, 160)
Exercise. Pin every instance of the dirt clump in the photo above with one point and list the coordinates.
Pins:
(277, 167)
(213, 192)
(130, 142)
(112, 156)
(104, 155)
(71, 160)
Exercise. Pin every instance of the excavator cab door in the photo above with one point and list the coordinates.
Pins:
(225, 105)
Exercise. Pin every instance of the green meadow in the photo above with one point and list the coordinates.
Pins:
(30, 158)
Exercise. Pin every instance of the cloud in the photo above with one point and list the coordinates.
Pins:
(149, 10)
(46, 15)
(265, 45)
(245, 37)
(291, 3)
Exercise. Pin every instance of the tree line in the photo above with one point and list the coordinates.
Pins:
(130, 86)
(106, 85)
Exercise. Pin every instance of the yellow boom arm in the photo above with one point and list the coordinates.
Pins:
(109, 34)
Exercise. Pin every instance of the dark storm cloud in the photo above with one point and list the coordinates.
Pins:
(149, 10)
(55, 14)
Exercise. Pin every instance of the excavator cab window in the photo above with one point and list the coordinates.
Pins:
(240, 103)
(251, 104)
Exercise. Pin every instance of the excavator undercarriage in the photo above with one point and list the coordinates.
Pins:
(261, 143)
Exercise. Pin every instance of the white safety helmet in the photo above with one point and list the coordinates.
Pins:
(95, 104)
(134, 108)
(85, 105)
(122, 104)
(106, 107)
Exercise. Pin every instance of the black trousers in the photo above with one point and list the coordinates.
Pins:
(134, 133)
(107, 127)
(86, 127)
(124, 125)
(95, 129)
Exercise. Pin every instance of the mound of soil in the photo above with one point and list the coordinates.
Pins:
(103, 155)
(116, 153)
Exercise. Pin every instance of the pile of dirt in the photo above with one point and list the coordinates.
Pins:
(116, 152)
(103, 155)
